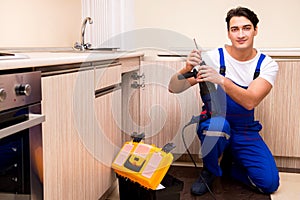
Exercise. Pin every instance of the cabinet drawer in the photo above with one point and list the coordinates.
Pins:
(130, 64)
(107, 76)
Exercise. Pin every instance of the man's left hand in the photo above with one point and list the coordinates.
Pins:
(208, 73)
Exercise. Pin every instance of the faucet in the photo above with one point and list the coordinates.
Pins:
(82, 46)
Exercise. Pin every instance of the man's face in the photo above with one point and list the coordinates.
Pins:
(241, 32)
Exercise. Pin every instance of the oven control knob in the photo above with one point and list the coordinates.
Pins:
(23, 89)
(2, 94)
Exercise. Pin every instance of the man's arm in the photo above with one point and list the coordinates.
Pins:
(176, 85)
(248, 98)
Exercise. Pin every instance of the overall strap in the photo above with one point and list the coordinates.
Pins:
(222, 62)
(223, 67)
(257, 69)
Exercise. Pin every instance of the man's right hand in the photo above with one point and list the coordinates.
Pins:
(176, 85)
(193, 59)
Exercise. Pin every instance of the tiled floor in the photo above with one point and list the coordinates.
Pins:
(288, 190)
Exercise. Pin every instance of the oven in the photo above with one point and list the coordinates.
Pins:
(21, 155)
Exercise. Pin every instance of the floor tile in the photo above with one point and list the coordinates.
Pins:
(289, 187)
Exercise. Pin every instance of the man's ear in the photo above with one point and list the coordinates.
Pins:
(256, 30)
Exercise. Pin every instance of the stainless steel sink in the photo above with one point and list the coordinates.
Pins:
(108, 49)
(90, 50)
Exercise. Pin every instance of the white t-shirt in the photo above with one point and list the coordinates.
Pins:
(242, 72)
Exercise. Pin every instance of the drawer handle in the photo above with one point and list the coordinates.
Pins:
(34, 119)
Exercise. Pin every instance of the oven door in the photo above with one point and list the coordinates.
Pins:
(21, 169)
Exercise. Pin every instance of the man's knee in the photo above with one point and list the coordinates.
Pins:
(268, 183)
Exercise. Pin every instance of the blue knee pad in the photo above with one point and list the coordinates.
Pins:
(214, 135)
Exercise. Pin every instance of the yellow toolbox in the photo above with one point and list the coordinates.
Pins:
(143, 163)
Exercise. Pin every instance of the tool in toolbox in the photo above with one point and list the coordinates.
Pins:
(143, 163)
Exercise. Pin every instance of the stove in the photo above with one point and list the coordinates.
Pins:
(21, 168)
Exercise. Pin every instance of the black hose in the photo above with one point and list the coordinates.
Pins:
(193, 120)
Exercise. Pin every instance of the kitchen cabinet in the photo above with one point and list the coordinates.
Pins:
(130, 105)
(279, 114)
(107, 75)
(107, 139)
(131, 86)
(163, 114)
(67, 134)
(130, 64)
(107, 134)
(82, 131)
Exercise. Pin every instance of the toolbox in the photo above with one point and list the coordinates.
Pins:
(142, 163)
(141, 168)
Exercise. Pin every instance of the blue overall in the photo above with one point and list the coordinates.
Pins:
(233, 128)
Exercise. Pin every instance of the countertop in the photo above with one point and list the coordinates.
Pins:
(35, 58)
(276, 53)
(40, 59)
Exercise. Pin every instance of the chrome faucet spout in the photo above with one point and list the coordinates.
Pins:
(83, 26)
(82, 46)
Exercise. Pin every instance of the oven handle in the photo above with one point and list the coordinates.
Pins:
(34, 119)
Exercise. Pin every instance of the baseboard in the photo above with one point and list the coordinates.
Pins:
(186, 164)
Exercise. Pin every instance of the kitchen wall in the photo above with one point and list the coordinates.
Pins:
(39, 23)
(57, 23)
(205, 20)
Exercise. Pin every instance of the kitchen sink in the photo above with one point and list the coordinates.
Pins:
(109, 49)
(90, 50)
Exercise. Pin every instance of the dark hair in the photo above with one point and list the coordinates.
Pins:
(242, 12)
